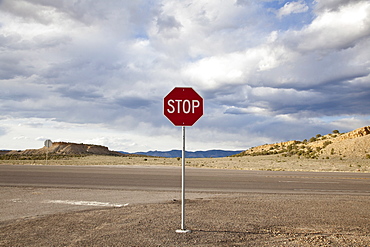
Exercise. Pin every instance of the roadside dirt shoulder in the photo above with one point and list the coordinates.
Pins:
(245, 219)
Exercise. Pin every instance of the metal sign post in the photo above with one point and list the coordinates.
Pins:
(183, 107)
(183, 228)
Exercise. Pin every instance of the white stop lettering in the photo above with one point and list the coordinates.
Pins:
(185, 106)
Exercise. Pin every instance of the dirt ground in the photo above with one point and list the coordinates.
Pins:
(233, 220)
(263, 163)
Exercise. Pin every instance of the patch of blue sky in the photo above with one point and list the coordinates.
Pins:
(274, 4)
(291, 21)
(294, 21)
(330, 119)
(278, 4)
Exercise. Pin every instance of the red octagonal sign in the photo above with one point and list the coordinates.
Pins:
(183, 106)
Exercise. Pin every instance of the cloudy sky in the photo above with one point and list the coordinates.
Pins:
(90, 71)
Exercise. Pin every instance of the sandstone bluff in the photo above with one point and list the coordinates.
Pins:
(67, 148)
(355, 143)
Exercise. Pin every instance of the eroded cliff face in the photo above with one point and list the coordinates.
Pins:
(356, 133)
(66, 148)
(74, 148)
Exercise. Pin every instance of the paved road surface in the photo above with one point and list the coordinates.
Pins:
(169, 179)
(29, 191)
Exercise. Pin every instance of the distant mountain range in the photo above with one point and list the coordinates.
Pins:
(188, 154)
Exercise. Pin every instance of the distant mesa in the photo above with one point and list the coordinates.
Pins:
(355, 143)
(67, 148)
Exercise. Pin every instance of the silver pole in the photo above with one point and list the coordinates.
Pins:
(47, 152)
(183, 181)
(183, 229)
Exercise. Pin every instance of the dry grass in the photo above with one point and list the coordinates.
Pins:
(269, 162)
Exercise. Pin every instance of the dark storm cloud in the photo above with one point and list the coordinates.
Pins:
(133, 102)
(79, 94)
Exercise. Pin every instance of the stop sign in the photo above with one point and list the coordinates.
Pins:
(183, 106)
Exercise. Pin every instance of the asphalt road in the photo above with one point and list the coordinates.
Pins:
(32, 191)
(169, 179)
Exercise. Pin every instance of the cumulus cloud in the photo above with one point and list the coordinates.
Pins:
(339, 29)
(292, 8)
(106, 66)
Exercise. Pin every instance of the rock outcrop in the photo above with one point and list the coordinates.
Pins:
(355, 143)
(66, 148)
(356, 133)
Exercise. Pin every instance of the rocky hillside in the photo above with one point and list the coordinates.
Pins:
(352, 144)
(66, 148)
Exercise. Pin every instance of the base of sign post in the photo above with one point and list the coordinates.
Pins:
(183, 231)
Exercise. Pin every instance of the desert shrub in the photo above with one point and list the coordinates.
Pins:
(336, 131)
(312, 139)
(326, 143)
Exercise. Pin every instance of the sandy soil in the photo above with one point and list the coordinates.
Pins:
(269, 162)
(240, 220)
